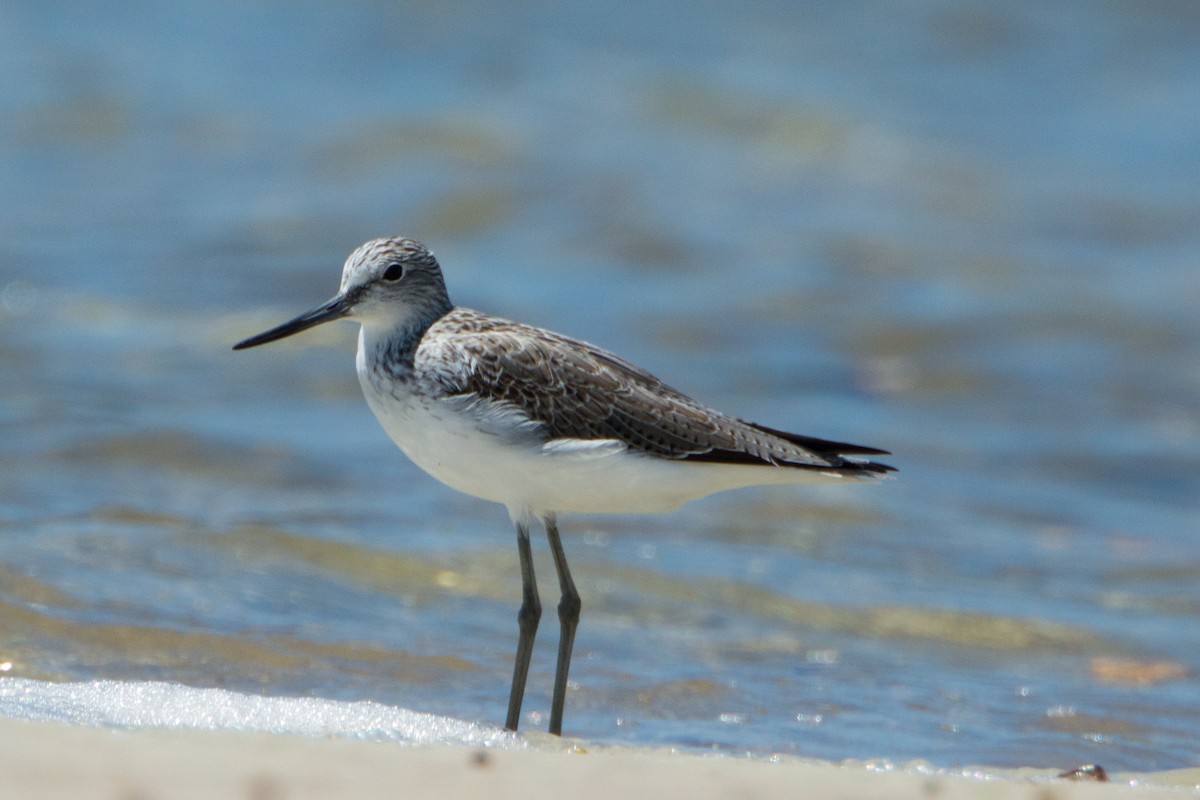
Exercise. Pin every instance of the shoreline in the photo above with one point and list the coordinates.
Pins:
(43, 760)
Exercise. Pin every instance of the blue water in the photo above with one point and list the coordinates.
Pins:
(968, 234)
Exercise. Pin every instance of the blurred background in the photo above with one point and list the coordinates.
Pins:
(965, 232)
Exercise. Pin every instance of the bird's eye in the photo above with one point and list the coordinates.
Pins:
(394, 272)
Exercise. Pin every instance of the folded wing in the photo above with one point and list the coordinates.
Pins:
(577, 391)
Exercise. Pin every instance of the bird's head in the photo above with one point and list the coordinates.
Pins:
(385, 283)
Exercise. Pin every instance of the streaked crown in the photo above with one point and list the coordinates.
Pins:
(395, 277)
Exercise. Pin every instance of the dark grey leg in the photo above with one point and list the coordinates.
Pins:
(527, 619)
(568, 619)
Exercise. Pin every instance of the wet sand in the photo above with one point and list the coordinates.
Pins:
(53, 760)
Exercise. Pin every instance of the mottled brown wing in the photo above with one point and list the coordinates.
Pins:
(582, 392)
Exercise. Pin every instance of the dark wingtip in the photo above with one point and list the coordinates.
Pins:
(869, 466)
(824, 447)
(841, 456)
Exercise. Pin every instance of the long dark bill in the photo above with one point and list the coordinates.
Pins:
(335, 308)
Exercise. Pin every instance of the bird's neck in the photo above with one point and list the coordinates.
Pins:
(392, 347)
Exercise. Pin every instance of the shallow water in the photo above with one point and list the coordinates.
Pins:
(968, 235)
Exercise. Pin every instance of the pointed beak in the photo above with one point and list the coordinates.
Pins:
(335, 308)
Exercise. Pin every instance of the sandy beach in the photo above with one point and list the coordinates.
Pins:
(43, 760)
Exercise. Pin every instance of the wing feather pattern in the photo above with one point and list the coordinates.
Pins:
(578, 391)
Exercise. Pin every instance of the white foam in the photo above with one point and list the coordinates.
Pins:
(120, 704)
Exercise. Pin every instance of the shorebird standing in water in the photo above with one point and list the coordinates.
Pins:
(543, 424)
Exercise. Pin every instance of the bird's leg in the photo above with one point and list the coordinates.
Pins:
(568, 619)
(527, 619)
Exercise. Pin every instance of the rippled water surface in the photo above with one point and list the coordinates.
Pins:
(966, 233)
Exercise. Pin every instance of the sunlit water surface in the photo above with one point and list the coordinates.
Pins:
(965, 234)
